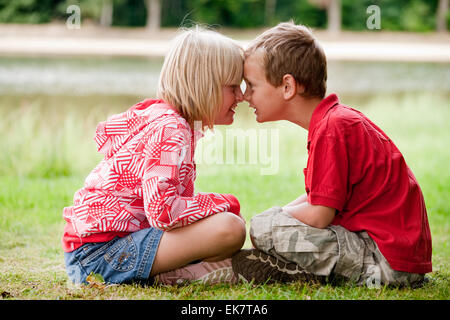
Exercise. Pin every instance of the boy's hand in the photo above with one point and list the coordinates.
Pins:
(316, 216)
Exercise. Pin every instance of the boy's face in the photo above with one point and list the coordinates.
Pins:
(266, 99)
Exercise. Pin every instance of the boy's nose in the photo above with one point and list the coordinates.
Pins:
(247, 95)
(238, 94)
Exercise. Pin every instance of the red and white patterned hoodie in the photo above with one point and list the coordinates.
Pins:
(146, 178)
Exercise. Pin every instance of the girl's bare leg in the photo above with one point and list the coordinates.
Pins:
(214, 238)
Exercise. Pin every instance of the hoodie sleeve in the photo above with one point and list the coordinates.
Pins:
(168, 182)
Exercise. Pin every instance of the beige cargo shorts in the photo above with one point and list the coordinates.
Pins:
(333, 251)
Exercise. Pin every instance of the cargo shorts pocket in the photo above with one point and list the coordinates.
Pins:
(122, 255)
(315, 250)
(352, 252)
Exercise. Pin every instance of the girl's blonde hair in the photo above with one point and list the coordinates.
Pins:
(199, 63)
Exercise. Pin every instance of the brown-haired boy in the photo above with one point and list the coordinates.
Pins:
(363, 217)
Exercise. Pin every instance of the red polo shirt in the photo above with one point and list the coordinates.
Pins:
(355, 168)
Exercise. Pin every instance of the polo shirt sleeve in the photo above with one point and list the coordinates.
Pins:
(326, 175)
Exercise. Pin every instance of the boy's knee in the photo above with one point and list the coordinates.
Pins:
(260, 240)
(254, 241)
(261, 228)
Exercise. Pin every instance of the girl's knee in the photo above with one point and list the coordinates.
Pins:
(231, 230)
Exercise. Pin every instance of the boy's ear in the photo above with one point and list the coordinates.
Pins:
(290, 87)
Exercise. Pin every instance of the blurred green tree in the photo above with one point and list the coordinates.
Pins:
(236, 13)
(131, 13)
(396, 15)
(174, 13)
(418, 16)
(90, 10)
(303, 12)
(27, 11)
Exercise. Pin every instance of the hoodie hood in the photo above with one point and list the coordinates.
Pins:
(113, 133)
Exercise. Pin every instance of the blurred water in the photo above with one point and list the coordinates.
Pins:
(79, 76)
(139, 76)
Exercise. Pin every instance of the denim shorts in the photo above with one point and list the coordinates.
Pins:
(121, 260)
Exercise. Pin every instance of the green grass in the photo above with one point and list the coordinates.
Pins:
(48, 151)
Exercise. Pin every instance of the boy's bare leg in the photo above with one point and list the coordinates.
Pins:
(214, 238)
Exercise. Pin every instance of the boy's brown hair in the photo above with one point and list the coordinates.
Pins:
(292, 49)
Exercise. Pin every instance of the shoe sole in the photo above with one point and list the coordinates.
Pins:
(259, 267)
(223, 275)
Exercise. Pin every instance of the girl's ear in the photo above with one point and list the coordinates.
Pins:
(290, 87)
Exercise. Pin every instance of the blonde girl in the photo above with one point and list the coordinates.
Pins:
(137, 215)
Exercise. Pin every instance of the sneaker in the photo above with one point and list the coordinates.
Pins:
(202, 272)
(259, 267)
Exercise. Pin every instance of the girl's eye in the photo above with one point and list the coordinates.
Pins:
(237, 90)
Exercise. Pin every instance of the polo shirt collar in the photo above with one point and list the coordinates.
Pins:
(320, 111)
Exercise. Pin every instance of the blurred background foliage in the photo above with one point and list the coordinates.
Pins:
(396, 15)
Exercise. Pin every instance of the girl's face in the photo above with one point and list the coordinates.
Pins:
(231, 96)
